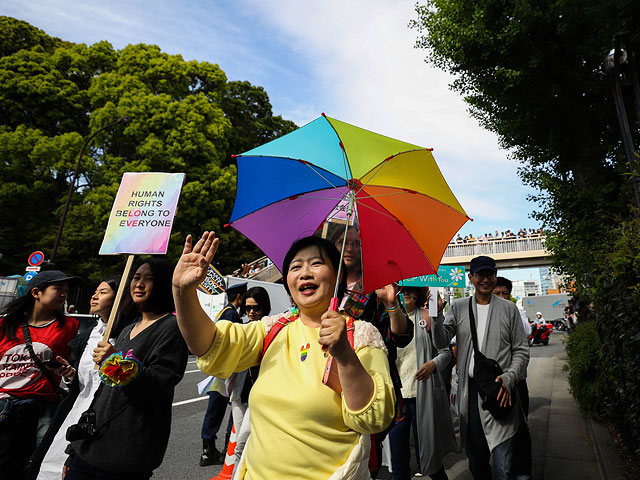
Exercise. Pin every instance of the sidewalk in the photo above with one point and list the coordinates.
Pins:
(565, 445)
(577, 447)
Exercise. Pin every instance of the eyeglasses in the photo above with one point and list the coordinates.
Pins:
(485, 274)
(255, 308)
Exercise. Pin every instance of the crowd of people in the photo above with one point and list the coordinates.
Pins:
(329, 380)
(506, 235)
(248, 270)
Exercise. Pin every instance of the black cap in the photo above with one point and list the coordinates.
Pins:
(238, 286)
(483, 263)
(47, 278)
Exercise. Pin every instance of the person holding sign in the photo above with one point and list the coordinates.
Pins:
(34, 334)
(125, 432)
(291, 409)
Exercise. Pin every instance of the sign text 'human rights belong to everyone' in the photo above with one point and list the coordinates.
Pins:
(142, 214)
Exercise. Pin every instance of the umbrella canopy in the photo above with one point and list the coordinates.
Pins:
(406, 212)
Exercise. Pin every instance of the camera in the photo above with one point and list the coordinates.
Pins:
(84, 429)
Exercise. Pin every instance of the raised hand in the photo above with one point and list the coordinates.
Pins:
(388, 294)
(192, 267)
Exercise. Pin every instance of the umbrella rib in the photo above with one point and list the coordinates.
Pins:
(376, 210)
(378, 168)
(327, 198)
(383, 195)
(320, 175)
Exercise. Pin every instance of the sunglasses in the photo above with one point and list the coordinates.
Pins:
(255, 308)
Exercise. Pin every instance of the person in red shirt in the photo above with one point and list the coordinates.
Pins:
(34, 337)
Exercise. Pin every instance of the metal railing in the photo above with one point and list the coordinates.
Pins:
(493, 247)
(264, 271)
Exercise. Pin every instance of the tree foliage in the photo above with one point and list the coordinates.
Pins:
(534, 73)
(185, 117)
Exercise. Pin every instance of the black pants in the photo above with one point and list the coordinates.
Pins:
(522, 440)
(216, 408)
(81, 470)
(17, 435)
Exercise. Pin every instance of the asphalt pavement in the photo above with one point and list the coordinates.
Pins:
(565, 444)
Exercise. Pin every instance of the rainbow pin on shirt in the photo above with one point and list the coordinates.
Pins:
(304, 349)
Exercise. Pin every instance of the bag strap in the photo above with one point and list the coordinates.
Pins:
(221, 312)
(37, 361)
(472, 320)
(350, 329)
(283, 322)
(275, 329)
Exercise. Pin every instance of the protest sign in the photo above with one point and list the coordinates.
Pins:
(213, 284)
(448, 276)
(142, 214)
(140, 222)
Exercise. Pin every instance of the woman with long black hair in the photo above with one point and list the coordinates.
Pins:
(131, 412)
(34, 337)
(50, 456)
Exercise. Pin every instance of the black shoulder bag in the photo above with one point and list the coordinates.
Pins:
(27, 340)
(485, 371)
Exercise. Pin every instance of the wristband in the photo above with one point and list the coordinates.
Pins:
(393, 309)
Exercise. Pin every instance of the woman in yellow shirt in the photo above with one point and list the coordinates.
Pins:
(300, 428)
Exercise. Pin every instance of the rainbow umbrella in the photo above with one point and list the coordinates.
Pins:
(406, 212)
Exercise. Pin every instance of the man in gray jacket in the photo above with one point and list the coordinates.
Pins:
(502, 338)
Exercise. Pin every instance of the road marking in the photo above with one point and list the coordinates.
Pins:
(193, 371)
(184, 402)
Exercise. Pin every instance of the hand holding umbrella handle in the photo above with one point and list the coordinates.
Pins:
(333, 306)
(330, 377)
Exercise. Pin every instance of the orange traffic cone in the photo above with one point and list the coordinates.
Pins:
(230, 459)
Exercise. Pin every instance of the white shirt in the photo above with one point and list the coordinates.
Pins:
(406, 362)
(51, 468)
(481, 323)
(525, 322)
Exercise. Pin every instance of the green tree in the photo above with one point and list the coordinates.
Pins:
(533, 73)
(185, 117)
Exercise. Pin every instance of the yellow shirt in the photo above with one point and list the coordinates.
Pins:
(300, 428)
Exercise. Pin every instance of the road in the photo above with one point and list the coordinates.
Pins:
(185, 446)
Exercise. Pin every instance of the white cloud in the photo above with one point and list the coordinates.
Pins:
(354, 60)
(367, 72)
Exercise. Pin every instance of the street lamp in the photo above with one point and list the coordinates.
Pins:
(123, 120)
(622, 62)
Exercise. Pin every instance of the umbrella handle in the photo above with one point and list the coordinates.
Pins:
(333, 306)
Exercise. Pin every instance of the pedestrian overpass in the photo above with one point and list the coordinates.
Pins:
(512, 253)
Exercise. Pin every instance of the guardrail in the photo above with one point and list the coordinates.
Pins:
(495, 247)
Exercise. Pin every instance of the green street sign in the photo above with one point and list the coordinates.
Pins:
(448, 276)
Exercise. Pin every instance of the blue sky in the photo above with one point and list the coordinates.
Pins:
(353, 60)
